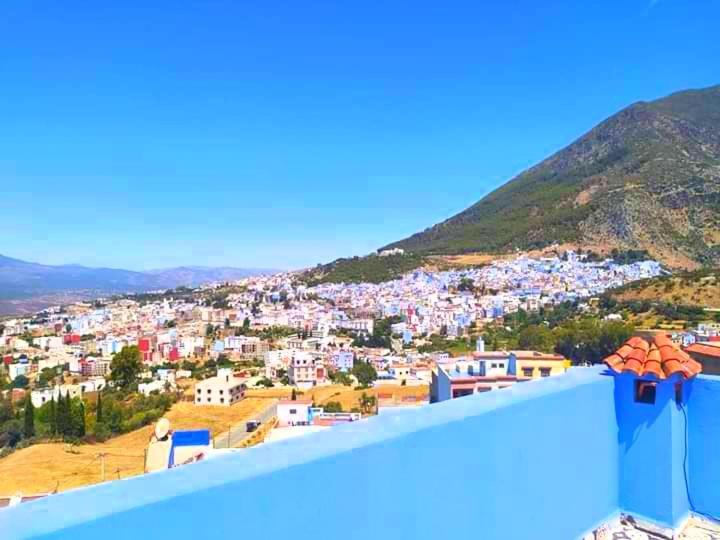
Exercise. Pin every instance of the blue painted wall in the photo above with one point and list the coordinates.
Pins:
(538, 460)
(650, 453)
(703, 409)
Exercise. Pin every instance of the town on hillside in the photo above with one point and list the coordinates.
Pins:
(269, 357)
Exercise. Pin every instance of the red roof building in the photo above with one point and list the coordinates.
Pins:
(708, 355)
(659, 359)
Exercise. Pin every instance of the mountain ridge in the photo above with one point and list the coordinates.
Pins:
(24, 283)
(647, 178)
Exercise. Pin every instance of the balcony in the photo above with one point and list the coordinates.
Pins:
(555, 459)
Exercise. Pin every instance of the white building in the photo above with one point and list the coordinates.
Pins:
(223, 389)
(153, 386)
(306, 371)
(40, 397)
(15, 370)
(294, 413)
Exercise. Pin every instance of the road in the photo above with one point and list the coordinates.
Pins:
(237, 433)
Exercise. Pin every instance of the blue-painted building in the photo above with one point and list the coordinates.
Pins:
(343, 360)
(553, 458)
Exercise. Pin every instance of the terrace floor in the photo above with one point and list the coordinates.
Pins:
(696, 529)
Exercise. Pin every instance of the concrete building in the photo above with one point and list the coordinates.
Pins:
(343, 360)
(306, 370)
(223, 389)
(491, 371)
(294, 412)
(708, 354)
(528, 364)
(40, 397)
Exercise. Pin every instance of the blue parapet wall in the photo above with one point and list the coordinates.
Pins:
(535, 460)
(703, 437)
(538, 460)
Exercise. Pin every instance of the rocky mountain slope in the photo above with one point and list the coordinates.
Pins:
(647, 178)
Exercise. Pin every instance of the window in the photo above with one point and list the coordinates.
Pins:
(645, 392)
(293, 411)
(199, 390)
(528, 371)
(222, 400)
(221, 392)
(544, 371)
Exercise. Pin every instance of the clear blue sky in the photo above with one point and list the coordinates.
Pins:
(144, 134)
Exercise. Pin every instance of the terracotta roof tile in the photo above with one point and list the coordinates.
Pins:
(659, 359)
(707, 350)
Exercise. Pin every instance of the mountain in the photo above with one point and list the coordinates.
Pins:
(28, 286)
(647, 178)
(194, 276)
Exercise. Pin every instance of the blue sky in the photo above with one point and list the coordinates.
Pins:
(143, 134)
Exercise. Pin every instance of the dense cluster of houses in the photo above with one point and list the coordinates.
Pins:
(319, 324)
(431, 302)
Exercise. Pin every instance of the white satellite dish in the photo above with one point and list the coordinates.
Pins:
(162, 428)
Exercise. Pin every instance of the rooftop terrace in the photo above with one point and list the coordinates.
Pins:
(555, 459)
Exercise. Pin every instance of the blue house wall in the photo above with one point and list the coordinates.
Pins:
(703, 436)
(650, 453)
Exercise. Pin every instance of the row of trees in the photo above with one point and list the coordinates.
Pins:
(117, 410)
(587, 340)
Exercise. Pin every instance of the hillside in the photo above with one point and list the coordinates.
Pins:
(370, 269)
(42, 468)
(647, 178)
(699, 288)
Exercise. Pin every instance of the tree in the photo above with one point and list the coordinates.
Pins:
(29, 413)
(61, 416)
(98, 410)
(126, 366)
(47, 375)
(367, 403)
(53, 416)
(21, 381)
(293, 395)
(536, 337)
(333, 407)
(466, 284)
(267, 383)
(77, 414)
(365, 373)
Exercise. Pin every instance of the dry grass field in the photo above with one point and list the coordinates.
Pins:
(704, 291)
(48, 467)
(346, 395)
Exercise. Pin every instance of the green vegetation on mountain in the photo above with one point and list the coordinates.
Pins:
(370, 269)
(647, 179)
(699, 288)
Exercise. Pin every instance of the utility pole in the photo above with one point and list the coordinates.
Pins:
(102, 465)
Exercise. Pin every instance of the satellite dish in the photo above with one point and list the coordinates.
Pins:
(162, 428)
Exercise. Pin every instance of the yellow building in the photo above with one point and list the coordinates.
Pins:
(533, 364)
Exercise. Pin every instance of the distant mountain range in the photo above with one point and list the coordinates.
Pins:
(647, 178)
(28, 286)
